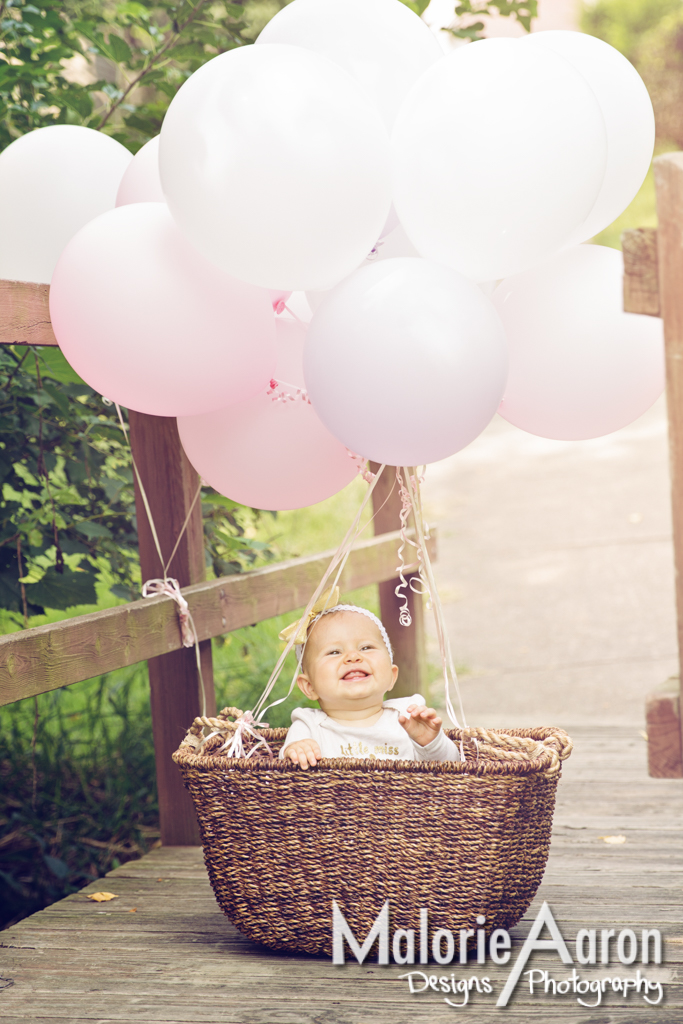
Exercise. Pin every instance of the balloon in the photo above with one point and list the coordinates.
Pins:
(151, 324)
(579, 366)
(629, 121)
(276, 167)
(391, 222)
(267, 453)
(499, 154)
(52, 182)
(405, 361)
(141, 182)
(395, 244)
(381, 43)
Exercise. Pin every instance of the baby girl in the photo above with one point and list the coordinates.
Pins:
(347, 667)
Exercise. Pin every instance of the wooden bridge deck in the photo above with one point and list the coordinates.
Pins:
(164, 952)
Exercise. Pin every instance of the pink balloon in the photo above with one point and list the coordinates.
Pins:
(579, 366)
(141, 182)
(147, 321)
(265, 453)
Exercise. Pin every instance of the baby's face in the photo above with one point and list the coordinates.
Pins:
(346, 664)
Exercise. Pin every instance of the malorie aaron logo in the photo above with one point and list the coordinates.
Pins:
(589, 941)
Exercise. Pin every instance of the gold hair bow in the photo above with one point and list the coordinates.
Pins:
(299, 629)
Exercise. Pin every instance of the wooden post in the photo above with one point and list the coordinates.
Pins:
(669, 184)
(662, 714)
(171, 483)
(408, 641)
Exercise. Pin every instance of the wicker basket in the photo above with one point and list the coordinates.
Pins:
(459, 838)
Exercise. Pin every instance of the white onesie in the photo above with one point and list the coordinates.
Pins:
(386, 740)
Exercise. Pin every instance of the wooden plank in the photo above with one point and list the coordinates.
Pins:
(25, 314)
(641, 274)
(171, 484)
(408, 642)
(668, 171)
(46, 657)
(662, 711)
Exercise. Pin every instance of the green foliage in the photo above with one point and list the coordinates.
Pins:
(114, 66)
(523, 11)
(623, 23)
(418, 6)
(650, 34)
(79, 793)
(67, 512)
(66, 488)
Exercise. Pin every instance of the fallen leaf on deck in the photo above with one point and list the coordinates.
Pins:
(102, 897)
(613, 839)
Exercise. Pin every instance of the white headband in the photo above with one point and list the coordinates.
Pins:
(350, 608)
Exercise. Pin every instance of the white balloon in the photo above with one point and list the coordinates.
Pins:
(276, 167)
(629, 121)
(499, 154)
(141, 182)
(52, 182)
(405, 361)
(381, 43)
(579, 366)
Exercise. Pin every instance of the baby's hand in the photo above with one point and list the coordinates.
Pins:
(303, 753)
(422, 724)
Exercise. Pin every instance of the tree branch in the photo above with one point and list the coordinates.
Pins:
(173, 38)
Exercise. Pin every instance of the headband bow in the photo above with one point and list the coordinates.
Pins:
(299, 629)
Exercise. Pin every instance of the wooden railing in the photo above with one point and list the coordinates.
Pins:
(36, 660)
(653, 284)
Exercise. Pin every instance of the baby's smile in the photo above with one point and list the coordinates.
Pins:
(355, 673)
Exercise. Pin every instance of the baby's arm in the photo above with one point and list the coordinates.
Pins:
(299, 746)
(423, 725)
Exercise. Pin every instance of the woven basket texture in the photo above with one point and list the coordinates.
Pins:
(457, 838)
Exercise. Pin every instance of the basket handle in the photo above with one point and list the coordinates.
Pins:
(195, 737)
(501, 746)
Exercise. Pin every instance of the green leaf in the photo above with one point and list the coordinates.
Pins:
(62, 590)
(91, 530)
(418, 6)
(59, 398)
(53, 364)
(120, 50)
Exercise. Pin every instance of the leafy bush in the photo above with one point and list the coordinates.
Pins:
(77, 777)
(113, 66)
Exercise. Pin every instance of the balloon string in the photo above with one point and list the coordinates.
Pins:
(450, 676)
(168, 586)
(404, 616)
(336, 566)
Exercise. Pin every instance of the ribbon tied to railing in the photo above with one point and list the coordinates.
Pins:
(171, 588)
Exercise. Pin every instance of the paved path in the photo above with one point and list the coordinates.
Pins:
(556, 571)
